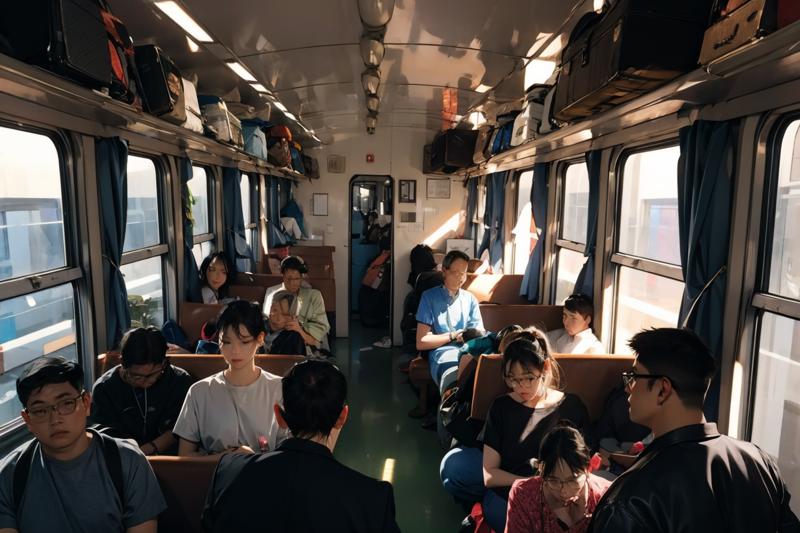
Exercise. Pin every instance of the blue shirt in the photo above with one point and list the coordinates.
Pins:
(444, 313)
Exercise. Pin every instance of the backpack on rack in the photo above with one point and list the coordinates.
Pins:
(126, 86)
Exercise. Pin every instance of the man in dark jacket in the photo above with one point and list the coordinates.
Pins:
(300, 486)
(690, 478)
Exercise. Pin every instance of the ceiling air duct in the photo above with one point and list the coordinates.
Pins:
(373, 102)
(372, 50)
(375, 14)
(371, 80)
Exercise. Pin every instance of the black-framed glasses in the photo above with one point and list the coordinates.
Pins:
(40, 413)
(629, 378)
(145, 377)
(525, 381)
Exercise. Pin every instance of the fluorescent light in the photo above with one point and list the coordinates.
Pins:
(260, 88)
(388, 470)
(239, 69)
(193, 46)
(280, 106)
(182, 19)
(598, 5)
(482, 88)
(290, 116)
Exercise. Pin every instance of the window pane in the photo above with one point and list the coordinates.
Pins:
(31, 215)
(141, 228)
(649, 209)
(143, 279)
(201, 251)
(576, 203)
(644, 300)
(784, 278)
(776, 413)
(569, 266)
(31, 326)
(198, 186)
(523, 236)
(247, 215)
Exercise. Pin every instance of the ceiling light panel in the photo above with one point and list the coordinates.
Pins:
(182, 19)
(242, 72)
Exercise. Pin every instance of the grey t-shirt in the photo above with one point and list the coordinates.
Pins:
(78, 496)
(218, 415)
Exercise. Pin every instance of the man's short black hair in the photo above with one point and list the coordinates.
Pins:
(48, 371)
(452, 256)
(314, 394)
(293, 262)
(679, 354)
(579, 303)
(143, 346)
(241, 313)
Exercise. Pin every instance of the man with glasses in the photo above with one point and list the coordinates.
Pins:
(690, 478)
(141, 398)
(69, 479)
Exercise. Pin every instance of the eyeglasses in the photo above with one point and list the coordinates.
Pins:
(145, 377)
(570, 484)
(629, 378)
(40, 413)
(523, 381)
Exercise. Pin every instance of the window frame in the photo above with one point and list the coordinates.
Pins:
(200, 238)
(617, 259)
(251, 223)
(71, 273)
(560, 242)
(517, 181)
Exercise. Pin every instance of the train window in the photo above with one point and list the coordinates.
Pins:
(31, 214)
(649, 210)
(649, 284)
(523, 230)
(142, 226)
(143, 252)
(33, 240)
(775, 422)
(202, 212)
(572, 234)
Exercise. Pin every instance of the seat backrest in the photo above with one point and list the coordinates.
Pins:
(495, 288)
(319, 270)
(590, 377)
(428, 280)
(251, 293)
(326, 286)
(184, 481)
(192, 316)
(200, 366)
(496, 317)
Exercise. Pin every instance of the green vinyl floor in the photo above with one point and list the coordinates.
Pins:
(379, 436)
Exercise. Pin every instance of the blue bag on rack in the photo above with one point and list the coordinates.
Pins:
(297, 159)
(255, 140)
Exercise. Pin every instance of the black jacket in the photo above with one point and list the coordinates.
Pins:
(694, 479)
(299, 487)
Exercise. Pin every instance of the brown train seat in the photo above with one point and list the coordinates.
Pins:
(200, 366)
(251, 293)
(590, 377)
(315, 252)
(184, 481)
(496, 288)
(192, 316)
(546, 317)
(327, 286)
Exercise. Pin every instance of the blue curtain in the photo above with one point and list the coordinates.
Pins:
(470, 227)
(236, 247)
(493, 220)
(191, 282)
(530, 282)
(585, 282)
(112, 180)
(705, 191)
(276, 237)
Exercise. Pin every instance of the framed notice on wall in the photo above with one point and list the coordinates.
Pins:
(408, 191)
(320, 204)
(438, 188)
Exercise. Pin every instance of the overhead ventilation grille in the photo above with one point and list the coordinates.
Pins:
(336, 164)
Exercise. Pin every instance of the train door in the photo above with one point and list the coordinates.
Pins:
(371, 200)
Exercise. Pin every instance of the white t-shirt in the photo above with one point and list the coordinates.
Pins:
(218, 415)
(584, 342)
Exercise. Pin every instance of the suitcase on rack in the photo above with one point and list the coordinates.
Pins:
(746, 23)
(482, 145)
(67, 37)
(126, 86)
(194, 118)
(162, 84)
(527, 123)
(453, 150)
(255, 140)
(635, 47)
